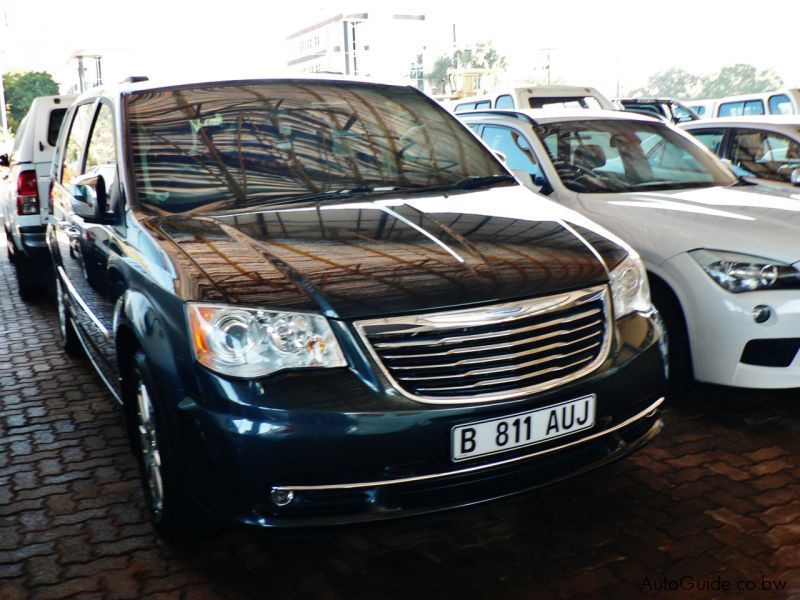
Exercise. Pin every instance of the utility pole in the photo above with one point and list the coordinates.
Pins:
(547, 52)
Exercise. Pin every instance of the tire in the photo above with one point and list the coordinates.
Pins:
(172, 513)
(68, 337)
(681, 373)
(29, 289)
(9, 248)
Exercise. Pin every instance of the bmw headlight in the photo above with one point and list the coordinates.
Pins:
(744, 273)
(629, 286)
(244, 342)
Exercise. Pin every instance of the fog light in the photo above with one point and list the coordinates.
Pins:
(281, 497)
(761, 313)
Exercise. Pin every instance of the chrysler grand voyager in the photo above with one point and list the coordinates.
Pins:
(325, 301)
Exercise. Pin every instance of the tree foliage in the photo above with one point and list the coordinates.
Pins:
(740, 79)
(728, 81)
(672, 83)
(481, 56)
(21, 89)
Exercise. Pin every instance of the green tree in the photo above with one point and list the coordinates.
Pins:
(480, 56)
(672, 83)
(21, 89)
(740, 79)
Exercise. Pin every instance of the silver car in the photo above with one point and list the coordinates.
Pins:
(765, 149)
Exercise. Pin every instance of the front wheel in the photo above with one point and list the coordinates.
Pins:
(169, 508)
(679, 350)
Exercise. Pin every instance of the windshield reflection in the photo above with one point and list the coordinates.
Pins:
(226, 146)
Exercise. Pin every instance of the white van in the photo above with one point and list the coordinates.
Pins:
(780, 102)
(546, 96)
(24, 191)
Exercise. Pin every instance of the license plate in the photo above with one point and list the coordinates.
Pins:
(523, 429)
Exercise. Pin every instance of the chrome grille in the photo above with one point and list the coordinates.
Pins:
(494, 352)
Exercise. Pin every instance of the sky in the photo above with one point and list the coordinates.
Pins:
(604, 44)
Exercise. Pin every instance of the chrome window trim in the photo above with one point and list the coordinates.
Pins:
(505, 312)
(371, 484)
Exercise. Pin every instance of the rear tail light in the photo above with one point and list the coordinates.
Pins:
(27, 194)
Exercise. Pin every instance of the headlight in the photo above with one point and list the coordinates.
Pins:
(629, 287)
(244, 342)
(743, 273)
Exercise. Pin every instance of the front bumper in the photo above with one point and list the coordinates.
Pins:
(721, 324)
(381, 455)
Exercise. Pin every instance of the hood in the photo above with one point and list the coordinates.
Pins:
(390, 256)
(758, 220)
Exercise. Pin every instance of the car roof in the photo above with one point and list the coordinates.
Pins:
(125, 88)
(551, 115)
(755, 121)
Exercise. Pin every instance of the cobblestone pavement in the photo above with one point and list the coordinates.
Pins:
(715, 499)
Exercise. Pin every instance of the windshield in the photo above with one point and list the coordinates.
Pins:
(619, 156)
(226, 146)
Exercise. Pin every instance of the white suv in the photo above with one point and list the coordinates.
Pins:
(24, 191)
(722, 254)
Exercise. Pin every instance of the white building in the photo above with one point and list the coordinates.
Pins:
(380, 43)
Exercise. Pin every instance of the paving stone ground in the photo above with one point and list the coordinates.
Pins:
(713, 502)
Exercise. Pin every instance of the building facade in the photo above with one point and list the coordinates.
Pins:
(378, 44)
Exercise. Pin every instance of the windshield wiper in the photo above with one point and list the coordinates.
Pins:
(663, 186)
(473, 182)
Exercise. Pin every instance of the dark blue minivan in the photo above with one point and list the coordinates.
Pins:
(324, 301)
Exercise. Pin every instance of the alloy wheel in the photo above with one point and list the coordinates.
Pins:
(148, 443)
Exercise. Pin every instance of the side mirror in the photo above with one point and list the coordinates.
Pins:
(795, 177)
(529, 180)
(90, 198)
(4, 162)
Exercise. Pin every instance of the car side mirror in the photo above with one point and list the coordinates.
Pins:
(90, 198)
(533, 182)
(795, 177)
(4, 162)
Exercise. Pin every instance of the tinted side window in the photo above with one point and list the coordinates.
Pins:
(72, 164)
(700, 110)
(780, 105)
(754, 107)
(464, 107)
(710, 138)
(54, 124)
(765, 154)
(731, 109)
(101, 155)
(504, 101)
(483, 104)
(513, 144)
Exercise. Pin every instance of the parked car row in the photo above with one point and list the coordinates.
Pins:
(324, 301)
